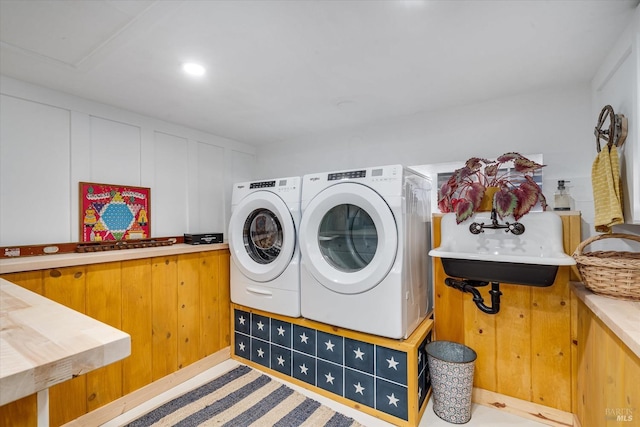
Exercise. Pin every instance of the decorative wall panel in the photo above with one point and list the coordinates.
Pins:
(380, 374)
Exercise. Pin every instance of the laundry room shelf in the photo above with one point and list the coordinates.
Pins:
(383, 377)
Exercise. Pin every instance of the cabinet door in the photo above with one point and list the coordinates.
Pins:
(608, 375)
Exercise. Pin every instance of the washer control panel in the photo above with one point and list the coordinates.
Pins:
(281, 185)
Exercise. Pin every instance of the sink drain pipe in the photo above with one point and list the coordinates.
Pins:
(470, 286)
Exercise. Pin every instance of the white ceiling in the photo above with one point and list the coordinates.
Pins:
(278, 70)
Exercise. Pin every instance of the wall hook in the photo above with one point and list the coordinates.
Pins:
(616, 133)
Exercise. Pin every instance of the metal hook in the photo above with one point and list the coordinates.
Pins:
(616, 134)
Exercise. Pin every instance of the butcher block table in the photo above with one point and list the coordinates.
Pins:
(43, 343)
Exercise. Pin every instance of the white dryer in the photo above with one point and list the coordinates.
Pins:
(364, 238)
(265, 258)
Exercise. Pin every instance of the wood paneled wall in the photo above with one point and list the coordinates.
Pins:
(529, 349)
(176, 309)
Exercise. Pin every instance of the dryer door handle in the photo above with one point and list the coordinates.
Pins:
(259, 291)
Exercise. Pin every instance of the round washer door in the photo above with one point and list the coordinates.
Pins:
(348, 238)
(262, 236)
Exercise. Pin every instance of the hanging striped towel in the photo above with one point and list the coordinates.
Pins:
(607, 194)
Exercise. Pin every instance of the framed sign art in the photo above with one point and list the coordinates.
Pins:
(114, 212)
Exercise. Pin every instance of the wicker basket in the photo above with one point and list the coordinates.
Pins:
(611, 273)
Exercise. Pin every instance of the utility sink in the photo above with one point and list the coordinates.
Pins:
(501, 255)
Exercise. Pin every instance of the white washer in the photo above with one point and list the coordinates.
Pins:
(265, 258)
(364, 238)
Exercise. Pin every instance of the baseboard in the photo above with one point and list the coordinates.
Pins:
(576, 421)
(126, 403)
(524, 409)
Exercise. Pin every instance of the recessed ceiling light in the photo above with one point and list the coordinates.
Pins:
(193, 69)
(410, 4)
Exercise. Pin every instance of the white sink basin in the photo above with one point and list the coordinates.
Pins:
(497, 255)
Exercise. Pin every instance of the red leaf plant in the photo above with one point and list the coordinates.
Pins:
(517, 191)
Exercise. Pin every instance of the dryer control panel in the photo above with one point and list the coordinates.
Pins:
(280, 185)
(347, 175)
(263, 184)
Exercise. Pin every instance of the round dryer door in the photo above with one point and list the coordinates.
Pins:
(348, 238)
(262, 236)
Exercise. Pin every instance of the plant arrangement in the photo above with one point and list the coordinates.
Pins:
(516, 192)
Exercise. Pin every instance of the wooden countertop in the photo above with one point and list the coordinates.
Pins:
(41, 262)
(622, 317)
(43, 343)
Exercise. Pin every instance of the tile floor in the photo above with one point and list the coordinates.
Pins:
(482, 416)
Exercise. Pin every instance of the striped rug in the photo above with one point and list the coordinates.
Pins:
(243, 397)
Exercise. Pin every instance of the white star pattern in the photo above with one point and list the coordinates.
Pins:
(329, 345)
(359, 353)
(359, 388)
(329, 377)
(280, 360)
(393, 400)
(392, 363)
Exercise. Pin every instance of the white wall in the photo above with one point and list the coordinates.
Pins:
(616, 83)
(555, 122)
(50, 141)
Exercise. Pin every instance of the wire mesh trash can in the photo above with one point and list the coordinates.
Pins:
(451, 368)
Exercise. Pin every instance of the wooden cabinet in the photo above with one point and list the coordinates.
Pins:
(608, 375)
(176, 309)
